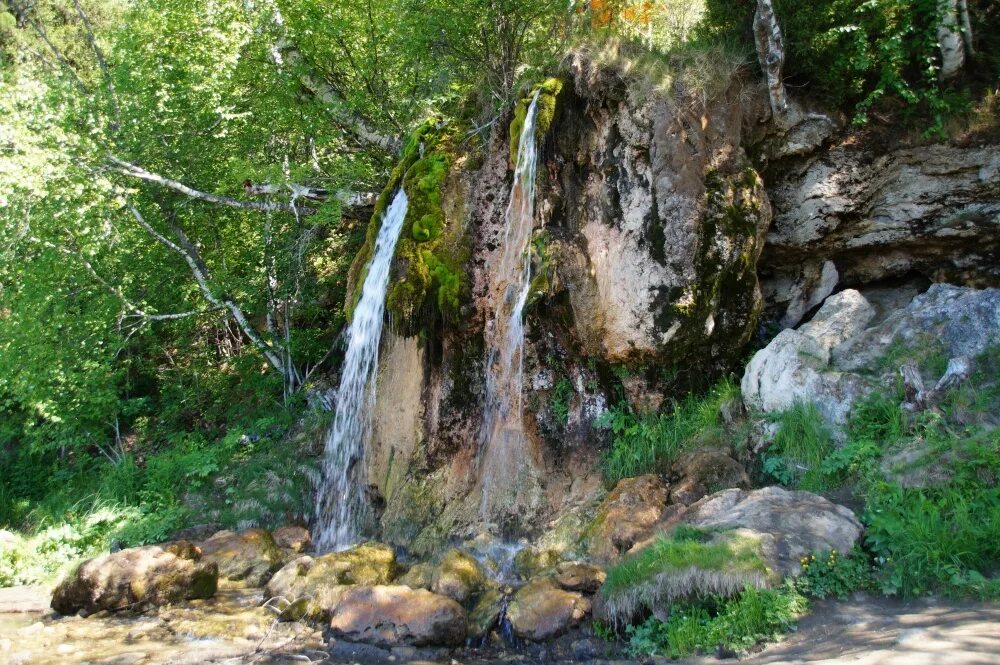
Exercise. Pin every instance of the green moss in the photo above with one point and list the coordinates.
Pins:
(430, 258)
(545, 112)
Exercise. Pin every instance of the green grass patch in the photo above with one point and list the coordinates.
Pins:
(646, 442)
(688, 563)
(802, 443)
(735, 624)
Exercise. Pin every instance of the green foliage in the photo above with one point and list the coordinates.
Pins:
(735, 624)
(835, 575)
(856, 53)
(800, 446)
(647, 442)
(559, 404)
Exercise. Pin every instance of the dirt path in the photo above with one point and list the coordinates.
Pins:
(233, 629)
(879, 631)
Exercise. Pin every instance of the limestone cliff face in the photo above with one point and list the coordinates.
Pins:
(854, 214)
(649, 223)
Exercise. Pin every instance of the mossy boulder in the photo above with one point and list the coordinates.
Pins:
(137, 578)
(626, 516)
(459, 576)
(244, 559)
(429, 266)
(541, 610)
(685, 563)
(531, 561)
(311, 587)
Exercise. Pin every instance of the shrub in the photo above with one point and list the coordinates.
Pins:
(832, 574)
(735, 624)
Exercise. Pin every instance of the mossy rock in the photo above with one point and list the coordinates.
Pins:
(545, 111)
(459, 576)
(530, 562)
(431, 254)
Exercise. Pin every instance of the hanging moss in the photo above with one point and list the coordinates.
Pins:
(429, 268)
(545, 112)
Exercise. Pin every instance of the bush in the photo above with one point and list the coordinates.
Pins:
(832, 574)
(735, 624)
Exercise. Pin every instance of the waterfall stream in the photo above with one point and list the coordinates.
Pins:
(342, 509)
(503, 451)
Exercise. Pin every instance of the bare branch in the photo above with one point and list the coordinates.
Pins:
(134, 171)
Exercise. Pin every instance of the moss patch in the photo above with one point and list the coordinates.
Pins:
(689, 562)
(430, 278)
(548, 90)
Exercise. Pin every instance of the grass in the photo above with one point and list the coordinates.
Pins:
(686, 563)
(646, 442)
(802, 443)
(735, 624)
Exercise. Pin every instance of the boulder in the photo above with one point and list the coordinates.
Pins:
(398, 615)
(836, 358)
(135, 578)
(531, 561)
(701, 472)
(312, 586)
(244, 559)
(795, 366)
(419, 576)
(458, 576)
(294, 538)
(789, 525)
(626, 516)
(577, 576)
(486, 614)
(540, 610)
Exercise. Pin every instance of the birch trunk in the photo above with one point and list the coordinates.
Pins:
(771, 53)
(950, 40)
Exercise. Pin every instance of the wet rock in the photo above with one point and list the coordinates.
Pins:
(294, 538)
(701, 472)
(247, 558)
(312, 586)
(134, 578)
(398, 615)
(485, 615)
(458, 576)
(540, 610)
(577, 576)
(789, 525)
(419, 576)
(626, 516)
(530, 561)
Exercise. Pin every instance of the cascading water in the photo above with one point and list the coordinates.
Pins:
(503, 446)
(342, 509)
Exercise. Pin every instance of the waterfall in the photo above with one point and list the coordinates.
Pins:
(503, 446)
(342, 509)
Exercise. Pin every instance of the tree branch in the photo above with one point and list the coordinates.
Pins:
(134, 171)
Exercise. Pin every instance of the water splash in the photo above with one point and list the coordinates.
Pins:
(342, 509)
(503, 446)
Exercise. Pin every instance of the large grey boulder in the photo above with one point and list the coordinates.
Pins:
(835, 359)
(788, 525)
(398, 615)
(795, 366)
(135, 578)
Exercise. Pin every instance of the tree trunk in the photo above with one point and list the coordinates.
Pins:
(771, 53)
(950, 43)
